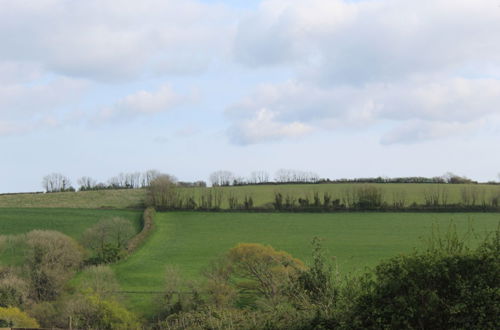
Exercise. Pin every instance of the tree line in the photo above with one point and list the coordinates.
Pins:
(164, 194)
(57, 182)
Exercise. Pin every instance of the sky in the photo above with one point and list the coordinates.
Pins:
(341, 88)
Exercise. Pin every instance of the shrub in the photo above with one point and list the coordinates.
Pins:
(14, 317)
(101, 280)
(261, 269)
(51, 259)
(445, 288)
(13, 289)
(90, 311)
(108, 239)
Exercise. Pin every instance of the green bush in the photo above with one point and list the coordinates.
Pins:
(93, 312)
(14, 317)
(438, 289)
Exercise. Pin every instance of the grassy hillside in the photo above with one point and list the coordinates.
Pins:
(262, 194)
(72, 222)
(118, 199)
(189, 240)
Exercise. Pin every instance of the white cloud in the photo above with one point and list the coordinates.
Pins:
(424, 109)
(430, 67)
(335, 41)
(111, 40)
(417, 131)
(143, 103)
(264, 128)
(14, 72)
(24, 102)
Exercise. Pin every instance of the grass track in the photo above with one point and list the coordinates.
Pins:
(189, 240)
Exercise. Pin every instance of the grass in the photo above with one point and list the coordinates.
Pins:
(71, 222)
(189, 240)
(261, 194)
(117, 199)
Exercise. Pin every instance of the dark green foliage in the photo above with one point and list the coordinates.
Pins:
(446, 288)
(248, 203)
(318, 281)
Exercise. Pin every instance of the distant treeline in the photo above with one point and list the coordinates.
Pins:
(57, 182)
(163, 194)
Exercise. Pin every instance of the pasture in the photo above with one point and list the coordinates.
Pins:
(101, 199)
(262, 195)
(72, 222)
(189, 240)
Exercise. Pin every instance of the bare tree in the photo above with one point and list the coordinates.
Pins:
(221, 178)
(259, 177)
(87, 183)
(149, 176)
(56, 182)
(295, 176)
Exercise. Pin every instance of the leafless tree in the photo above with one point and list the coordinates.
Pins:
(259, 177)
(221, 178)
(149, 176)
(56, 182)
(87, 183)
(296, 176)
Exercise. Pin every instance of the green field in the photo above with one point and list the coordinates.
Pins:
(261, 194)
(189, 240)
(117, 199)
(71, 222)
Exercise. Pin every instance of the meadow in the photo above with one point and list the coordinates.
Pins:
(115, 199)
(72, 222)
(262, 195)
(188, 241)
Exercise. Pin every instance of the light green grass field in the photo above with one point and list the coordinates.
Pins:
(189, 240)
(118, 199)
(71, 222)
(261, 194)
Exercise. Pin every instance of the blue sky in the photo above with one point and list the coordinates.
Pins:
(341, 88)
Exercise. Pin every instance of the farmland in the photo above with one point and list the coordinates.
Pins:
(262, 195)
(72, 222)
(189, 240)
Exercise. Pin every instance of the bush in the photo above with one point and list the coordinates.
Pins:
(89, 311)
(51, 259)
(13, 290)
(108, 239)
(449, 288)
(101, 280)
(14, 317)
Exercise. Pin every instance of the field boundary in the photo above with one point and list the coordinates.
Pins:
(297, 209)
(148, 226)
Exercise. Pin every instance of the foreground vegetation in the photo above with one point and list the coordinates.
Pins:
(188, 241)
(14, 222)
(218, 270)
